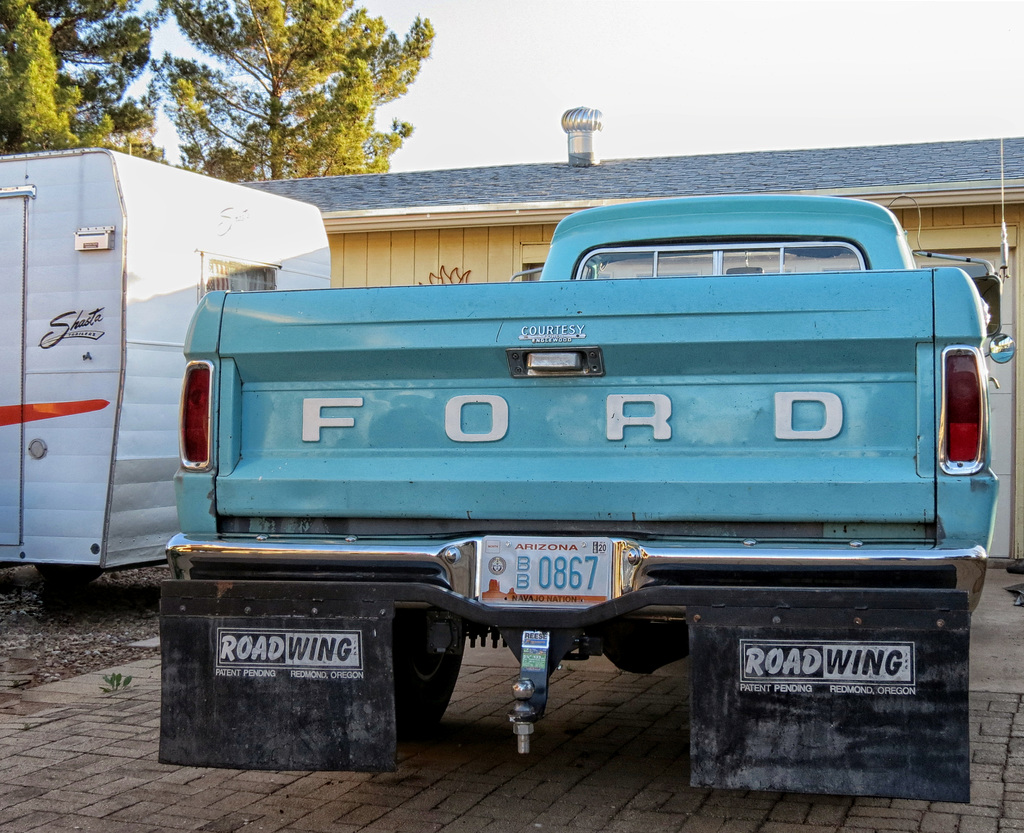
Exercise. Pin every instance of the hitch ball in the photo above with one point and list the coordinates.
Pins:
(523, 714)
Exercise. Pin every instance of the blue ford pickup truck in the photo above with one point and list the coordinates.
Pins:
(745, 429)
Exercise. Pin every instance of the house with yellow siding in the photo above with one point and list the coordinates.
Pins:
(487, 224)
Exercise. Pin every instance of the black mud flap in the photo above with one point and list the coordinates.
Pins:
(278, 676)
(853, 693)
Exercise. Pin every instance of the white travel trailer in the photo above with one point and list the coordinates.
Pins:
(103, 259)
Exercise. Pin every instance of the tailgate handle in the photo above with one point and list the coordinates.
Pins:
(555, 361)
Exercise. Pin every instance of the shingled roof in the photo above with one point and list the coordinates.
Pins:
(887, 168)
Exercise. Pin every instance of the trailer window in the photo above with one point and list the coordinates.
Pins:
(724, 259)
(238, 276)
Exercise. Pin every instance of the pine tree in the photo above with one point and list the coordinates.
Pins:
(294, 89)
(35, 113)
(65, 69)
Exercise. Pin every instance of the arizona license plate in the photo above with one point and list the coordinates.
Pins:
(548, 571)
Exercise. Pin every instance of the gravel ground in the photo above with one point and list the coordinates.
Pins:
(49, 632)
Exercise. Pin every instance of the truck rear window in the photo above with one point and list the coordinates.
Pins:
(731, 259)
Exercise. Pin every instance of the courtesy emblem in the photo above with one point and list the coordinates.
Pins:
(552, 333)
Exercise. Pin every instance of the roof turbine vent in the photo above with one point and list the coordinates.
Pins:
(581, 123)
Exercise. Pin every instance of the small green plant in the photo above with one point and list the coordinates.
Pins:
(115, 682)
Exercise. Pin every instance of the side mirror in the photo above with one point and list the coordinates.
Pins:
(990, 287)
(1001, 348)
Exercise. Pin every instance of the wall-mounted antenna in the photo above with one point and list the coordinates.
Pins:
(1004, 244)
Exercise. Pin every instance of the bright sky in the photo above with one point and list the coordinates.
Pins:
(678, 77)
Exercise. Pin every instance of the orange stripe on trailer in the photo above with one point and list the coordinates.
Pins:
(15, 414)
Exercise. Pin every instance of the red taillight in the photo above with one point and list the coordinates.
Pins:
(195, 417)
(964, 410)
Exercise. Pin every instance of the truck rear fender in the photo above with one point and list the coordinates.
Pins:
(198, 422)
(965, 485)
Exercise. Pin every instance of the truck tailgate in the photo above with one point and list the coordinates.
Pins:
(410, 394)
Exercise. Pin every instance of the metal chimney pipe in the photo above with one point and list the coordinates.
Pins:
(581, 123)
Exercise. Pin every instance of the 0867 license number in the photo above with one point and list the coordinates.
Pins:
(543, 571)
(563, 572)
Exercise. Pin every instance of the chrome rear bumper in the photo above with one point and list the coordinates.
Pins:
(456, 566)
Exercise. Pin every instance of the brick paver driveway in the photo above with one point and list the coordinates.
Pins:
(611, 755)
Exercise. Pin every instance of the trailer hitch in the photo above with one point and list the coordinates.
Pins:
(539, 654)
